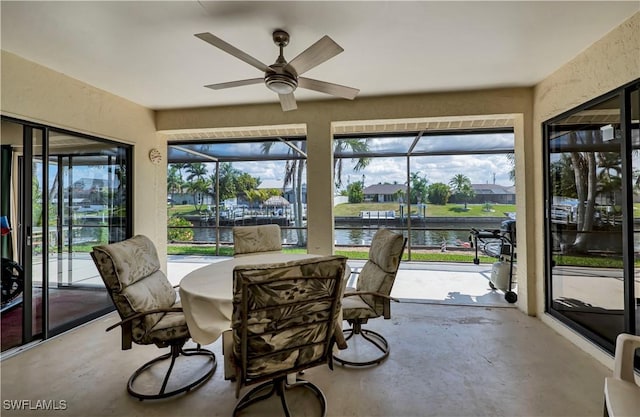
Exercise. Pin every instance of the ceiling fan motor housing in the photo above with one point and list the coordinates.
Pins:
(280, 80)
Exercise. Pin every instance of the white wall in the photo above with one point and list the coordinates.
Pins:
(35, 93)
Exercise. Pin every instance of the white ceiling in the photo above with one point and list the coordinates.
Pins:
(145, 51)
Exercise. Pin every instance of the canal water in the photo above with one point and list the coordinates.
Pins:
(355, 234)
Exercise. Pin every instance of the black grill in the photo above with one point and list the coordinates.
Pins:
(508, 229)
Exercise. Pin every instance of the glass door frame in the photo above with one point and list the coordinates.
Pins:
(626, 147)
(25, 234)
(24, 228)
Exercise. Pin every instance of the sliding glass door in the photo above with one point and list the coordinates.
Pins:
(593, 216)
(67, 193)
(87, 195)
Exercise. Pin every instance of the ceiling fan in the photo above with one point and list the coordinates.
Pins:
(283, 77)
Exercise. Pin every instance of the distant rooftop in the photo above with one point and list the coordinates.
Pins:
(385, 188)
(493, 189)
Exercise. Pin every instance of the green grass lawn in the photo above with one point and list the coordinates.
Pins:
(433, 210)
(353, 210)
(186, 209)
(351, 254)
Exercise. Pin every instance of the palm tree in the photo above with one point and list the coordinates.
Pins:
(196, 170)
(419, 188)
(357, 146)
(174, 181)
(227, 181)
(584, 169)
(461, 186)
(609, 183)
(294, 168)
(198, 188)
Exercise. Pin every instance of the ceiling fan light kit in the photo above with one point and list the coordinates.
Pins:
(283, 78)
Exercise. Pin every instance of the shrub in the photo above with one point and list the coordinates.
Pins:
(439, 193)
(179, 229)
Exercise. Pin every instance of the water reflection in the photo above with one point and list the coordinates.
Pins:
(355, 234)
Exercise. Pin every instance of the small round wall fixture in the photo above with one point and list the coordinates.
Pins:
(155, 156)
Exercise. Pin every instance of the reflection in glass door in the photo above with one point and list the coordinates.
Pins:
(87, 207)
(585, 168)
(67, 193)
(592, 221)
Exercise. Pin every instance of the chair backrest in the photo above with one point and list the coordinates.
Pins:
(131, 272)
(256, 239)
(379, 272)
(284, 316)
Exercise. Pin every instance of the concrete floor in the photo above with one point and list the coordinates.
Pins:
(463, 357)
(433, 282)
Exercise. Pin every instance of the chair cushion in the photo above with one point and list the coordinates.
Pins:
(171, 326)
(153, 292)
(252, 239)
(386, 249)
(285, 359)
(379, 273)
(354, 307)
(131, 271)
(284, 329)
(372, 278)
(127, 262)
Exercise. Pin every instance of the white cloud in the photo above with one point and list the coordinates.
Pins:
(479, 168)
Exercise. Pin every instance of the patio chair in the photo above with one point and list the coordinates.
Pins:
(251, 240)
(150, 313)
(284, 321)
(371, 299)
(621, 391)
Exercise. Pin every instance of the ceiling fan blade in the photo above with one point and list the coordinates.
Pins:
(288, 102)
(328, 88)
(238, 83)
(315, 55)
(230, 49)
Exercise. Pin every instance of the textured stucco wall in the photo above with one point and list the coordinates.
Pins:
(609, 63)
(35, 93)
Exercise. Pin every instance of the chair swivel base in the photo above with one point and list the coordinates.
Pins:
(369, 336)
(279, 386)
(176, 351)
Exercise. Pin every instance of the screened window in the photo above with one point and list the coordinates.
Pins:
(432, 186)
(216, 185)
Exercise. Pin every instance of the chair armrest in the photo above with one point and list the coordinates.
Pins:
(375, 294)
(626, 345)
(386, 307)
(129, 319)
